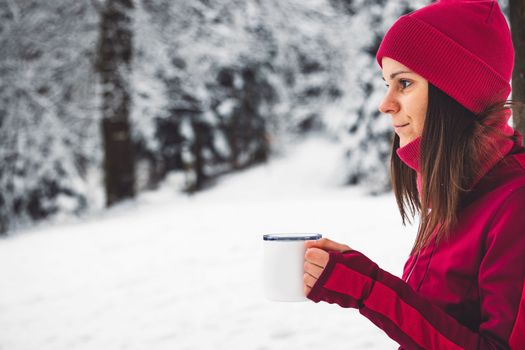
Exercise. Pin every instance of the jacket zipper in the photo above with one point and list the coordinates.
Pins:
(415, 263)
(412, 268)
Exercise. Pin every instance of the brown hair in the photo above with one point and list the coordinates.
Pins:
(454, 145)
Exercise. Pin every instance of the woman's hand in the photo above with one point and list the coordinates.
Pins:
(316, 258)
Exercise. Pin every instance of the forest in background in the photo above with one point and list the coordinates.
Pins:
(103, 99)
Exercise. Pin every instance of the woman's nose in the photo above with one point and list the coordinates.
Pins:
(388, 105)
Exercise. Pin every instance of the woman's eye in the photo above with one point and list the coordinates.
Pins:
(403, 82)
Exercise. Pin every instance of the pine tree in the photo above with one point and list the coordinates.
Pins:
(47, 148)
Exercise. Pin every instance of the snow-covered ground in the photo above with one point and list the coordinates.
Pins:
(173, 272)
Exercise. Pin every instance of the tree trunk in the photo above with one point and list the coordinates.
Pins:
(114, 67)
(517, 25)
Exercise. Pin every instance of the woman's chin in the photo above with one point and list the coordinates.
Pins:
(405, 140)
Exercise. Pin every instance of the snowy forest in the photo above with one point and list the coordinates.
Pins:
(101, 100)
(146, 147)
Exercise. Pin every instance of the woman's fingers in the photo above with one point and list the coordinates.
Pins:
(316, 260)
(312, 269)
(309, 280)
(307, 290)
(317, 257)
(327, 244)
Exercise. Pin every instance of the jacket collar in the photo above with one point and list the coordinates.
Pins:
(409, 154)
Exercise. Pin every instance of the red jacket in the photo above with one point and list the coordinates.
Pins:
(466, 293)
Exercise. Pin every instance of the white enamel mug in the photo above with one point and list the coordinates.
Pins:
(283, 265)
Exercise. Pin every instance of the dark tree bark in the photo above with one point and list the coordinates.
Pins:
(114, 66)
(517, 25)
(202, 133)
(255, 125)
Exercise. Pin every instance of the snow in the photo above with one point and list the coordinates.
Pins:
(170, 271)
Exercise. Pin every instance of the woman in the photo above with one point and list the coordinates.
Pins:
(457, 163)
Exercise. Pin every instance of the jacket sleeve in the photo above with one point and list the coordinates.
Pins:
(351, 280)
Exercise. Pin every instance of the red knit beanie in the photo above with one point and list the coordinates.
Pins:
(462, 47)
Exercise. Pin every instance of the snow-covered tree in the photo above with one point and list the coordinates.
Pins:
(46, 109)
(364, 131)
(214, 90)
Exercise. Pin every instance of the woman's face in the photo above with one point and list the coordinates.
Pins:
(406, 100)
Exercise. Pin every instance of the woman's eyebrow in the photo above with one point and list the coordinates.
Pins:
(392, 76)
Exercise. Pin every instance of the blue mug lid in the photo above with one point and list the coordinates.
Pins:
(292, 237)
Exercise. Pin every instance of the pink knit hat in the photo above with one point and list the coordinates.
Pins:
(462, 47)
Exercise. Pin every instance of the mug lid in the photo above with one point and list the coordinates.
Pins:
(292, 237)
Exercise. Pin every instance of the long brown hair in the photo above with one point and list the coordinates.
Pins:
(454, 145)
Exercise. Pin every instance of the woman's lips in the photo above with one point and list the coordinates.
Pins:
(397, 127)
